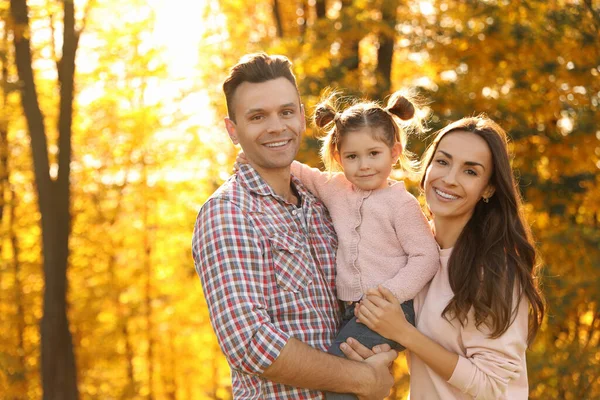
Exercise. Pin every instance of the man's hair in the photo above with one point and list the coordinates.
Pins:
(256, 68)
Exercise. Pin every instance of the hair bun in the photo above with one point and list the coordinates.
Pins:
(324, 115)
(401, 107)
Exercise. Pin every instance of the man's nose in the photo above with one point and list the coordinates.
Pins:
(276, 125)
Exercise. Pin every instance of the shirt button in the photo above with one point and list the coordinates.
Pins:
(292, 248)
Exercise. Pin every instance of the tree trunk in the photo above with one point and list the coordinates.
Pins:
(277, 18)
(3, 127)
(321, 9)
(171, 386)
(59, 378)
(385, 52)
(18, 292)
(132, 385)
(351, 59)
(302, 25)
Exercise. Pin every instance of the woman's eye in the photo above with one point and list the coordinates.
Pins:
(441, 162)
(471, 172)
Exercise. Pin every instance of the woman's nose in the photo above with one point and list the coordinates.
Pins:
(450, 177)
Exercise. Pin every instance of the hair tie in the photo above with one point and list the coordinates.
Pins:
(337, 117)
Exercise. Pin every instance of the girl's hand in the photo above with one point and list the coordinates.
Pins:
(354, 350)
(381, 312)
(370, 292)
(239, 160)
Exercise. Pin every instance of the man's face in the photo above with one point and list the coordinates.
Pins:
(269, 123)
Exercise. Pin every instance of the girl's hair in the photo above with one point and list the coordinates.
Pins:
(368, 114)
(494, 253)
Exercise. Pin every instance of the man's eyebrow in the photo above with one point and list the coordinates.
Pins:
(472, 163)
(254, 110)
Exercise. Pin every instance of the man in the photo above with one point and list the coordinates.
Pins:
(264, 248)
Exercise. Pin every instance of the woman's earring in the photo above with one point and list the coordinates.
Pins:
(486, 199)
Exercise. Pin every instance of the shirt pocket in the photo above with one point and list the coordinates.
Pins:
(292, 262)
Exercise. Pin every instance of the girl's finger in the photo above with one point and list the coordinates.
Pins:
(366, 317)
(387, 293)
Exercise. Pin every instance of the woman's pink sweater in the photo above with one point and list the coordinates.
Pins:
(487, 368)
(383, 236)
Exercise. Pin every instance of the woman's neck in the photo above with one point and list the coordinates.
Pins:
(447, 231)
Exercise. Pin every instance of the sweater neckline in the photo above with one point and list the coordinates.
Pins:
(445, 253)
(391, 183)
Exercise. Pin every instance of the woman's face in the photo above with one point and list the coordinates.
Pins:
(458, 176)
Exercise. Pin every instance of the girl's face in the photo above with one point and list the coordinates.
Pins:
(458, 176)
(367, 161)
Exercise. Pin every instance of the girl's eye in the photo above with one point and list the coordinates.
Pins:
(351, 156)
(374, 153)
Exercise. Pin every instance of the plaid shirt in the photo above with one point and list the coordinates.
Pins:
(267, 269)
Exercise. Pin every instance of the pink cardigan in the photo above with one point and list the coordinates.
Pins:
(487, 368)
(383, 237)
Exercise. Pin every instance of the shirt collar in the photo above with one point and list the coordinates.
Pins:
(248, 176)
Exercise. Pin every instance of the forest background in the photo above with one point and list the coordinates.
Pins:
(111, 137)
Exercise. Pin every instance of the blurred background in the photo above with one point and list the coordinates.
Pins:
(111, 137)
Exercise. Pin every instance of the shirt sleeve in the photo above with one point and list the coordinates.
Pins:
(491, 364)
(324, 185)
(423, 258)
(228, 256)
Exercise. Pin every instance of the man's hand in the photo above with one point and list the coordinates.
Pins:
(382, 376)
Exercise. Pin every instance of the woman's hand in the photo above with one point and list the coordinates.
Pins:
(381, 312)
(239, 160)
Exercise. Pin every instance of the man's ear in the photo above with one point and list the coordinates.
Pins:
(231, 130)
(396, 152)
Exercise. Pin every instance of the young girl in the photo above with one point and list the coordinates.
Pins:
(384, 238)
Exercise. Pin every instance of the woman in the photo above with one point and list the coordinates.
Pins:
(483, 307)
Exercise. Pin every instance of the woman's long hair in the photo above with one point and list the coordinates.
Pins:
(494, 254)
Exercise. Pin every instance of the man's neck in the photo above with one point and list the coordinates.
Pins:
(280, 181)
